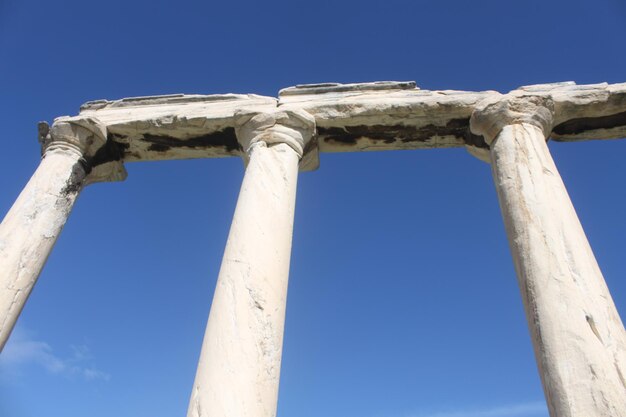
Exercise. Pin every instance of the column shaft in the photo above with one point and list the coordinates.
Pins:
(578, 337)
(31, 227)
(239, 367)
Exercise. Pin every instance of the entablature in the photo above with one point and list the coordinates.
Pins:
(349, 117)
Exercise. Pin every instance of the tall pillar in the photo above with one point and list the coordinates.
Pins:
(239, 366)
(578, 337)
(32, 225)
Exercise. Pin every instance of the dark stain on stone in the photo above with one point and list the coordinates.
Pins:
(75, 181)
(475, 140)
(117, 137)
(123, 146)
(226, 139)
(339, 135)
(584, 124)
(157, 147)
(111, 151)
(458, 128)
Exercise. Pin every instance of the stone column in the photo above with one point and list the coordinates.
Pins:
(578, 337)
(32, 225)
(239, 367)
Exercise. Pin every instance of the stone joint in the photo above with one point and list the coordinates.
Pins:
(493, 114)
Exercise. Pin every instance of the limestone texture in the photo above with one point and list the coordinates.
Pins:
(239, 367)
(577, 334)
(34, 222)
(349, 117)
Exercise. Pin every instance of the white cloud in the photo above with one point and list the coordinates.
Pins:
(24, 350)
(530, 409)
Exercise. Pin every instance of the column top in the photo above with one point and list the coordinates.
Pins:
(295, 128)
(355, 117)
(494, 113)
(88, 138)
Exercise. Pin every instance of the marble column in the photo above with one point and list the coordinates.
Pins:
(578, 337)
(239, 366)
(34, 222)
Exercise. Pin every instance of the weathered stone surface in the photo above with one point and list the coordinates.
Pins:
(101, 157)
(175, 126)
(581, 112)
(239, 367)
(495, 113)
(390, 120)
(342, 88)
(578, 336)
(28, 232)
(350, 117)
(295, 128)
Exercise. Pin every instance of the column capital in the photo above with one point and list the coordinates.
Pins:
(493, 114)
(87, 138)
(82, 134)
(293, 127)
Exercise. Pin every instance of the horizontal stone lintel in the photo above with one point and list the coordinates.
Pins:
(350, 117)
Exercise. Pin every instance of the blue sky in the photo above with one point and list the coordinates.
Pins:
(402, 301)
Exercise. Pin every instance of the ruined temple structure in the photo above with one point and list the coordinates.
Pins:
(578, 337)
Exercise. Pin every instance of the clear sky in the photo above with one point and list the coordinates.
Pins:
(402, 302)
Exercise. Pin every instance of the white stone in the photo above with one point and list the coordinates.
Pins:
(579, 339)
(32, 226)
(239, 367)
(175, 126)
(350, 117)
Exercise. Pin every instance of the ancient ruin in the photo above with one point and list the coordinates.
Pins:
(578, 337)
